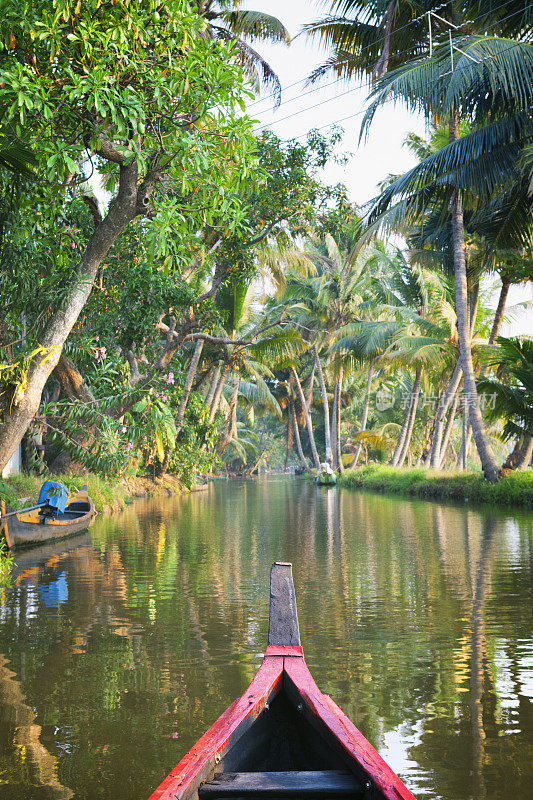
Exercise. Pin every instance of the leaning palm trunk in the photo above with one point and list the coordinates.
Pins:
(334, 453)
(309, 399)
(400, 449)
(232, 418)
(512, 458)
(489, 464)
(526, 451)
(290, 440)
(494, 332)
(308, 421)
(303, 459)
(193, 367)
(327, 434)
(413, 406)
(448, 430)
(338, 386)
(446, 400)
(463, 452)
(212, 387)
(425, 454)
(364, 418)
(498, 314)
(437, 450)
(218, 392)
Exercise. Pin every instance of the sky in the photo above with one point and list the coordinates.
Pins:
(372, 160)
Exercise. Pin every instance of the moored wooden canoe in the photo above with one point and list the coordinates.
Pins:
(283, 737)
(31, 527)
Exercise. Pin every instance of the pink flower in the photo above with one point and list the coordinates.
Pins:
(169, 378)
(73, 245)
(174, 735)
(96, 338)
(164, 398)
(123, 429)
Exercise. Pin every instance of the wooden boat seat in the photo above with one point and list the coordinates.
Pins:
(80, 507)
(306, 783)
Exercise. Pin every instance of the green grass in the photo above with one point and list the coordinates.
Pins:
(107, 493)
(512, 490)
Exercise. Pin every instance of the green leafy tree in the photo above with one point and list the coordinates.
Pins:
(137, 92)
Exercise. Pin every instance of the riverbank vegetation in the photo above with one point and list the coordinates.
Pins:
(184, 294)
(515, 489)
(109, 494)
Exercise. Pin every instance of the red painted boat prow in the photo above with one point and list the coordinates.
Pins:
(283, 738)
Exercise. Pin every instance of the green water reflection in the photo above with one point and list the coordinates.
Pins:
(117, 650)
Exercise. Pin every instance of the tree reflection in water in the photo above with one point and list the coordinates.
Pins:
(415, 617)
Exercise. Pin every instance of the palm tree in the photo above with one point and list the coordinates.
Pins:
(370, 37)
(492, 86)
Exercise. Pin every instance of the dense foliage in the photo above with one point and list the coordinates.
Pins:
(182, 295)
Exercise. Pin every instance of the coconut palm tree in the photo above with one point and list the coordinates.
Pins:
(492, 86)
(370, 37)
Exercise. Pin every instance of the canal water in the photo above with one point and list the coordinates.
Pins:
(119, 648)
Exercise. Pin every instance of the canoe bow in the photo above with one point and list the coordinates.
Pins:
(283, 668)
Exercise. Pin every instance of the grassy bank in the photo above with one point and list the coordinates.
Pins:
(108, 494)
(512, 490)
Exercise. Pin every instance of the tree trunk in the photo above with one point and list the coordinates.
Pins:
(297, 437)
(489, 464)
(512, 459)
(401, 436)
(425, 455)
(290, 439)
(72, 381)
(218, 392)
(437, 453)
(308, 421)
(446, 400)
(364, 418)
(414, 395)
(526, 451)
(413, 406)
(463, 451)
(382, 63)
(498, 314)
(338, 421)
(327, 434)
(212, 387)
(193, 366)
(20, 406)
(494, 333)
(448, 430)
(232, 418)
(310, 387)
(334, 453)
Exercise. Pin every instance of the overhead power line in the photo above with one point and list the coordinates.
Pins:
(358, 88)
(381, 39)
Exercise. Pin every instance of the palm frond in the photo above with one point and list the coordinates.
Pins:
(256, 25)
